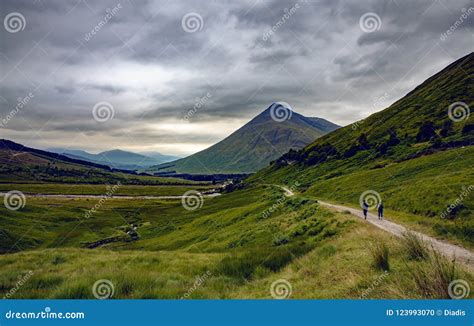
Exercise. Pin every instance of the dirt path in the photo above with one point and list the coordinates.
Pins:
(449, 250)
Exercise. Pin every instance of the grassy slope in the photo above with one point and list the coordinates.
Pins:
(323, 254)
(427, 102)
(415, 192)
(419, 188)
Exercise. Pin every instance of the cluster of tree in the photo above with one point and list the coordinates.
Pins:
(361, 145)
(428, 131)
(317, 154)
(393, 140)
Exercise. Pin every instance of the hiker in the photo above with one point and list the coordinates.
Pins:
(365, 208)
(380, 209)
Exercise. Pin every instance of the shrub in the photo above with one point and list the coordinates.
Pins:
(414, 246)
(426, 132)
(434, 277)
(237, 267)
(380, 254)
(245, 266)
(468, 128)
(447, 128)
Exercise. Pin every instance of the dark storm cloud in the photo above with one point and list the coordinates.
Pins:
(244, 55)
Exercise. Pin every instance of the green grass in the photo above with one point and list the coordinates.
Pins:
(416, 248)
(380, 255)
(415, 192)
(96, 189)
(230, 241)
(342, 267)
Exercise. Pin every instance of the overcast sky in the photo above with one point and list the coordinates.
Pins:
(151, 62)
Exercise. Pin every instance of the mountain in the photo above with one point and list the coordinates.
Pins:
(416, 156)
(254, 145)
(162, 158)
(116, 158)
(21, 164)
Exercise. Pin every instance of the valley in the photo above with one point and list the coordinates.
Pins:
(242, 251)
(294, 222)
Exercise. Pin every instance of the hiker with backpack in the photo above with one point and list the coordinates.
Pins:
(365, 209)
(380, 211)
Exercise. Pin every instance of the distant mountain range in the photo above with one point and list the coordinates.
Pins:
(252, 147)
(117, 158)
(22, 164)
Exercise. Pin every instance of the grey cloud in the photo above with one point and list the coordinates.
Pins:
(318, 60)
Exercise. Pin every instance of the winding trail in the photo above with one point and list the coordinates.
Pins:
(449, 250)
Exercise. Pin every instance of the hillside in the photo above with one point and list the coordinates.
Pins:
(116, 158)
(412, 154)
(21, 164)
(253, 146)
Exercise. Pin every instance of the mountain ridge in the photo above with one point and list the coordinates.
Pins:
(251, 147)
(116, 158)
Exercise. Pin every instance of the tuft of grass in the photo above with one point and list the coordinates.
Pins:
(380, 255)
(434, 277)
(415, 247)
(245, 266)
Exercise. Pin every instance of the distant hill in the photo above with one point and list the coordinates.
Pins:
(21, 164)
(254, 145)
(116, 158)
(160, 157)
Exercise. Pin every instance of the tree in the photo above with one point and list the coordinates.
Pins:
(363, 142)
(468, 128)
(426, 132)
(447, 128)
(393, 140)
